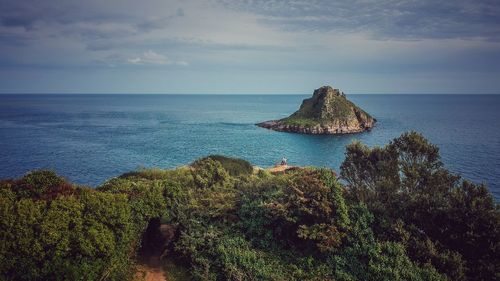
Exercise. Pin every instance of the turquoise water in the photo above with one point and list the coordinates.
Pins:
(90, 138)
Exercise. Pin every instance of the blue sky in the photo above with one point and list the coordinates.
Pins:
(249, 46)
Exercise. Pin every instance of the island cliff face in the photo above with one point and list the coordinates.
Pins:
(328, 111)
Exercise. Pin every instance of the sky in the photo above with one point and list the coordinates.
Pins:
(249, 46)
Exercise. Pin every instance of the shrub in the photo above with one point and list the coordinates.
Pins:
(41, 184)
(209, 173)
(85, 235)
(306, 209)
(234, 166)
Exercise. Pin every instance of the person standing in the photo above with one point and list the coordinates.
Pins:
(283, 161)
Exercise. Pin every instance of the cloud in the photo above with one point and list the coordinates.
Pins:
(87, 21)
(99, 30)
(251, 39)
(159, 23)
(394, 19)
(150, 57)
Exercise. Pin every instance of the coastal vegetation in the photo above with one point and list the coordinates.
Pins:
(392, 213)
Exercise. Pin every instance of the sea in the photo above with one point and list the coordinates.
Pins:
(90, 138)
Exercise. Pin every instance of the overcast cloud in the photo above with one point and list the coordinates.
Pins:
(245, 46)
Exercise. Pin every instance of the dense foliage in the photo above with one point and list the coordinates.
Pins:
(442, 220)
(395, 214)
(51, 230)
(235, 167)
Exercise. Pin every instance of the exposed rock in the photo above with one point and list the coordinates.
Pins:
(328, 111)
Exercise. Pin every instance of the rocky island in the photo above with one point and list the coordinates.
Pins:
(328, 111)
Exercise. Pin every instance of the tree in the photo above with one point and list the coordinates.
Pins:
(448, 219)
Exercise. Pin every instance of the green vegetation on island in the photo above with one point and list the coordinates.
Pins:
(396, 214)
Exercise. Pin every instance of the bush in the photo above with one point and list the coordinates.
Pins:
(41, 184)
(365, 258)
(308, 209)
(88, 234)
(208, 173)
(234, 166)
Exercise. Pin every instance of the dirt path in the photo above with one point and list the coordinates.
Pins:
(150, 266)
(150, 269)
(279, 168)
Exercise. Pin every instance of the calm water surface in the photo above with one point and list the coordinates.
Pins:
(90, 138)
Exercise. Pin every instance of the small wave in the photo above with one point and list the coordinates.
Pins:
(235, 124)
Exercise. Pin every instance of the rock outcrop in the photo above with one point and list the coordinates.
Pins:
(328, 111)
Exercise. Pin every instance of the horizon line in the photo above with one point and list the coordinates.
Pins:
(231, 94)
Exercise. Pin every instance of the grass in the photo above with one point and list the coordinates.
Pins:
(297, 121)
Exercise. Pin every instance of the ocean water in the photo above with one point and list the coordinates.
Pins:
(90, 138)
